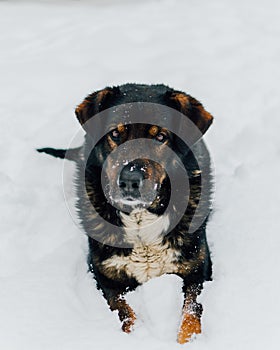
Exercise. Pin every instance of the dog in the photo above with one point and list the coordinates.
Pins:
(138, 195)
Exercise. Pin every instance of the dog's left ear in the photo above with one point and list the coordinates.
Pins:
(192, 108)
(95, 103)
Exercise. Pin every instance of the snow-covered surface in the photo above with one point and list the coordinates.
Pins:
(225, 53)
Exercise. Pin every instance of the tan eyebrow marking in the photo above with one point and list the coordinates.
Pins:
(121, 128)
(153, 130)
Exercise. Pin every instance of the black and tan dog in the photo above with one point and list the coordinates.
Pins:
(139, 195)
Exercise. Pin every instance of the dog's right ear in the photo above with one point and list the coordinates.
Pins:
(95, 103)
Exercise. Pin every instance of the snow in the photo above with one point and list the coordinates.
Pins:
(53, 53)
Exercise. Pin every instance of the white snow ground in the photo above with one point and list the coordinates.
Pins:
(226, 53)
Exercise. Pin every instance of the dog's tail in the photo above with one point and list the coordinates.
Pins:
(70, 154)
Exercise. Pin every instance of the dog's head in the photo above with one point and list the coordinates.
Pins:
(131, 180)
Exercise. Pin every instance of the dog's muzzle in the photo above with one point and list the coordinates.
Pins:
(136, 185)
(131, 181)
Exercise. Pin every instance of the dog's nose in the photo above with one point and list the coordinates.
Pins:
(131, 181)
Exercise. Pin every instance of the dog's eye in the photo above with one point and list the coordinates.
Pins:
(115, 135)
(161, 137)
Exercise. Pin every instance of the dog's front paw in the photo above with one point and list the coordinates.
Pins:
(190, 325)
(128, 323)
(127, 316)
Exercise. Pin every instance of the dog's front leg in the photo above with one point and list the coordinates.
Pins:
(116, 301)
(125, 312)
(191, 314)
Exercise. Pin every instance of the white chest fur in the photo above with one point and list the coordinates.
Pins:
(143, 227)
(149, 258)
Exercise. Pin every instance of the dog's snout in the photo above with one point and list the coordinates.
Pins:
(131, 181)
